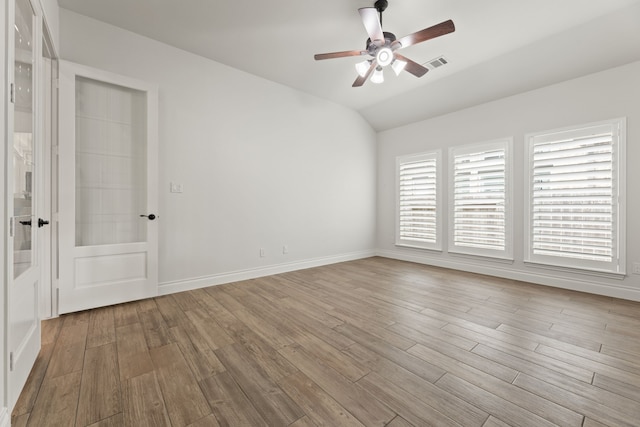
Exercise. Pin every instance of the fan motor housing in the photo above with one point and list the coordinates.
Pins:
(388, 39)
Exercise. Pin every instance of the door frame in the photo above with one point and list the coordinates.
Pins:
(48, 181)
(5, 415)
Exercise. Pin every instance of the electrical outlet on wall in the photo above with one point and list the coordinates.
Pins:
(263, 253)
(285, 249)
(636, 268)
(174, 187)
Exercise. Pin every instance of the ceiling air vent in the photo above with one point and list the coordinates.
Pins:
(436, 63)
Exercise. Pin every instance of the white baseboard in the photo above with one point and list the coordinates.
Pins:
(166, 288)
(503, 271)
(5, 419)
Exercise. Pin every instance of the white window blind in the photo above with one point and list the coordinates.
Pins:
(573, 197)
(479, 214)
(418, 216)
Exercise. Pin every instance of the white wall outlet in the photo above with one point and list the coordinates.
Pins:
(174, 187)
(285, 249)
(263, 253)
(636, 268)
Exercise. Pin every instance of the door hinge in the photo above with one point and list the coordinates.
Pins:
(11, 227)
(11, 361)
(12, 92)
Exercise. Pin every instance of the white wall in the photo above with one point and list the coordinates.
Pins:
(262, 165)
(606, 95)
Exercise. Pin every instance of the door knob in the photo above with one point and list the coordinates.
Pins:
(151, 217)
(42, 222)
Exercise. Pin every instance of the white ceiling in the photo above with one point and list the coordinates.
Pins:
(499, 48)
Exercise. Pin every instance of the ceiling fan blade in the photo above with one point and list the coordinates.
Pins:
(342, 54)
(371, 22)
(437, 30)
(360, 80)
(412, 66)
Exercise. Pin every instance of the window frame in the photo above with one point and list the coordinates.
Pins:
(505, 143)
(617, 266)
(407, 243)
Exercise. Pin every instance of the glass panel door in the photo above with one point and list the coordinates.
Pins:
(23, 140)
(25, 144)
(108, 180)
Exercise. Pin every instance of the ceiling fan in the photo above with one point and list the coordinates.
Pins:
(383, 46)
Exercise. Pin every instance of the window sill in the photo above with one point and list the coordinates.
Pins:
(498, 259)
(577, 270)
(422, 248)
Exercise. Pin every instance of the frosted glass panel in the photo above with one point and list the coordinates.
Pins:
(111, 163)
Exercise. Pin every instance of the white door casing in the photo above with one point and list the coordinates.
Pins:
(49, 108)
(108, 181)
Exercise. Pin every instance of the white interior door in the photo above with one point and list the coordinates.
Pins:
(108, 218)
(24, 197)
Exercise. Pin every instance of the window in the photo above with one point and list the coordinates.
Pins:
(418, 214)
(575, 216)
(479, 188)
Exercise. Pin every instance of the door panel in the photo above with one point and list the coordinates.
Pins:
(108, 181)
(23, 171)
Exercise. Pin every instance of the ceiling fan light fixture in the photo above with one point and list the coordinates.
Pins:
(398, 65)
(362, 68)
(384, 56)
(381, 46)
(378, 76)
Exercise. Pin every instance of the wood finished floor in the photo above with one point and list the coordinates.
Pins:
(373, 342)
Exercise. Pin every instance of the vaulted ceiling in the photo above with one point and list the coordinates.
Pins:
(499, 48)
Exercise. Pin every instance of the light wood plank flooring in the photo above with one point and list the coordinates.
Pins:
(373, 342)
